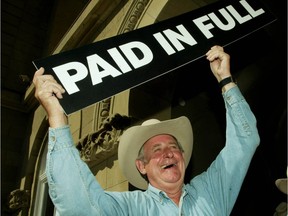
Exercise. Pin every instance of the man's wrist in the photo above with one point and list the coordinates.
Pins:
(58, 121)
(226, 81)
(228, 86)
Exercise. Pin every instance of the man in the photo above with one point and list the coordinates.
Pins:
(154, 155)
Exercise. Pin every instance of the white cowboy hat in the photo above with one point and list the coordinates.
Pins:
(134, 137)
(282, 183)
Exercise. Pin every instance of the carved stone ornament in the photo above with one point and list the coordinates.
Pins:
(97, 146)
(17, 200)
(133, 16)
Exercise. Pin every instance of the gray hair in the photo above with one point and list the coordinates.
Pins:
(141, 151)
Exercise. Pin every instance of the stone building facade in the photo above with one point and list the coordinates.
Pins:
(163, 98)
(99, 20)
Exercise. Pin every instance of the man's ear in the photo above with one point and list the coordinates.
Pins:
(140, 166)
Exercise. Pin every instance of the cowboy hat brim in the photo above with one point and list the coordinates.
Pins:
(134, 137)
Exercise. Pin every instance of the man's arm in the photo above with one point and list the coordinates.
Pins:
(48, 92)
(72, 186)
(220, 65)
(226, 174)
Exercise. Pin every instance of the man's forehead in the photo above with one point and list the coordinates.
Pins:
(156, 140)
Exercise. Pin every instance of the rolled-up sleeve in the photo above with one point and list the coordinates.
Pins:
(72, 186)
(221, 183)
(242, 139)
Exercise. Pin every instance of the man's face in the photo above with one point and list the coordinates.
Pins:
(163, 162)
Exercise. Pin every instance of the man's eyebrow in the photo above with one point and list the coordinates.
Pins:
(170, 143)
(156, 145)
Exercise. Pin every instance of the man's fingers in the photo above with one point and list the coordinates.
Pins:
(49, 90)
(53, 87)
(217, 47)
(37, 74)
(216, 52)
(40, 71)
(46, 86)
(46, 81)
(212, 55)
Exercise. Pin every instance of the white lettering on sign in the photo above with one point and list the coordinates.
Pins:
(251, 11)
(99, 68)
(230, 21)
(136, 54)
(164, 43)
(128, 48)
(94, 61)
(175, 38)
(120, 61)
(205, 28)
(69, 81)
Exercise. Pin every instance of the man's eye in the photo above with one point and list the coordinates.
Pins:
(156, 150)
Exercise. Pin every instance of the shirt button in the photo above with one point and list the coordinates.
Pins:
(53, 138)
(53, 194)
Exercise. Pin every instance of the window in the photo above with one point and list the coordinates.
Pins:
(42, 205)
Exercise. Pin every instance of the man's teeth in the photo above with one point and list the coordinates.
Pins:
(167, 166)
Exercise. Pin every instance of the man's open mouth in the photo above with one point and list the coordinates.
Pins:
(167, 166)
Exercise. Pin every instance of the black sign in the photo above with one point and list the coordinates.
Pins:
(100, 70)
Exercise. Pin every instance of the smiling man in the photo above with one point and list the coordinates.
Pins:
(161, 160)
(153, 156)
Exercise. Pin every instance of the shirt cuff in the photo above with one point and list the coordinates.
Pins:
(60, 138)
(233, 95)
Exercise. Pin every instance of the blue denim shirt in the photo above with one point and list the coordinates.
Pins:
(75, 191)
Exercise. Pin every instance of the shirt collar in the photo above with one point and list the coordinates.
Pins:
(160, 195)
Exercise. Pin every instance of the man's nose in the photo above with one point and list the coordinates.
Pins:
(168, 153)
